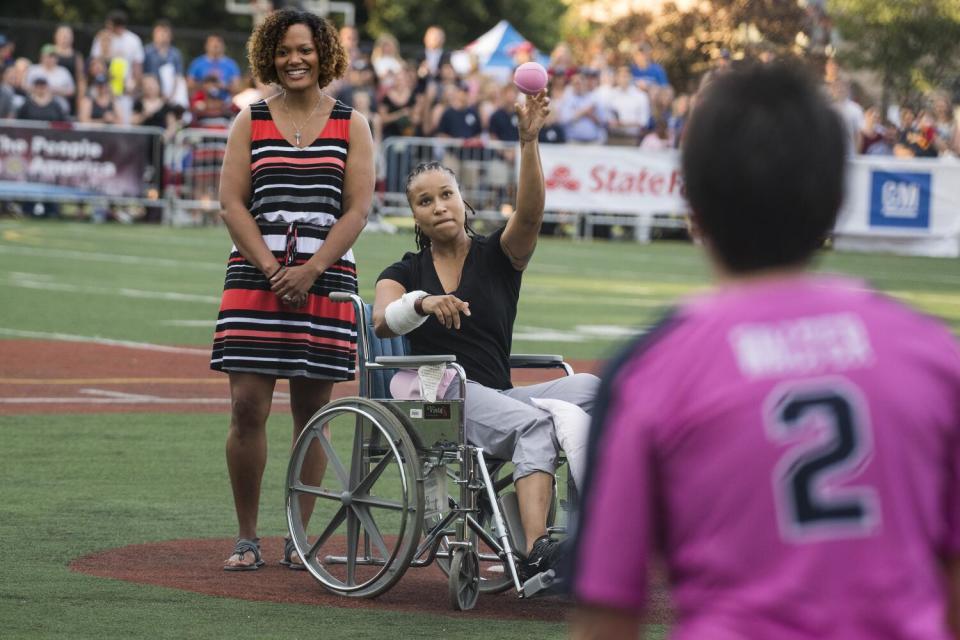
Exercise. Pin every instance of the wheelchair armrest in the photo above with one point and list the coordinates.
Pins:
(534, 361)
(539, 361)
(411, 362)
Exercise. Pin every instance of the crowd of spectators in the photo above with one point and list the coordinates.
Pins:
(613, 98)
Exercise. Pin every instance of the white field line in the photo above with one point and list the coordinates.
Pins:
(120, 395)
(19, 280)
(113, 258)
(148, 400)
(209, 322)
(581, 333)
(129, 344)
(63, 400)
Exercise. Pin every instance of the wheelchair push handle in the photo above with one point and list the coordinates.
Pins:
(341, 296)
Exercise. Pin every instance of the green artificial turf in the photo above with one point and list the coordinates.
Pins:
(581, 299)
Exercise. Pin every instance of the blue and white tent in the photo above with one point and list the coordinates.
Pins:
(493, 49)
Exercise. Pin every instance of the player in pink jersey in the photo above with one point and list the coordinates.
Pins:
(789, 444)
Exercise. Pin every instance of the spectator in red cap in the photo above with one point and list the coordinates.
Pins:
(523, 52)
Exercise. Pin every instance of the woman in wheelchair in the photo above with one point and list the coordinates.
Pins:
(458, 295)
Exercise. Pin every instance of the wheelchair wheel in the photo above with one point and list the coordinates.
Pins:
(365, 519)
(494, 572)
(464, 579)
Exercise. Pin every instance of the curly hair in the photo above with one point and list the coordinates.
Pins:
(263, 43)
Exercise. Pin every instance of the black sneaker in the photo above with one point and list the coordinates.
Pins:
(546, 554)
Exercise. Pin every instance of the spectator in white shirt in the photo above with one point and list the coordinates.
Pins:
(115, 41)
(628, 106)
(59, 80)
(850, 112)
(581, 113)
(386, 58)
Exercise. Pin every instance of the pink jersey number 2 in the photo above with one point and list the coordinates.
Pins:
(828, 425)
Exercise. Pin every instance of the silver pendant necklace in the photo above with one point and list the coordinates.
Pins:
(296, 134)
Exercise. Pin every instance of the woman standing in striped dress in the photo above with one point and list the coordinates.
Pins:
(296, 186)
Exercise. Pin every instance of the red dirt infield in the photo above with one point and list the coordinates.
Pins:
(52, 376)
(195, 565)
(62, 376)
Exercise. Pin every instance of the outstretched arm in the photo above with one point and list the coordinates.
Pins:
(394, 314)
(519, 239)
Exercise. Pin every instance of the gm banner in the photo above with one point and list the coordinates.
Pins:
(909, 206)
(597, 179)
(119, 162)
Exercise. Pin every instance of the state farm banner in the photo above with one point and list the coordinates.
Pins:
(595, 179)
(909, 206)
(119, 162)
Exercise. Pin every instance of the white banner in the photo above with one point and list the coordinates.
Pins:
(598, 179)
(908, 206)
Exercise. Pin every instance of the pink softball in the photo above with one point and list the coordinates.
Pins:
(530, 78)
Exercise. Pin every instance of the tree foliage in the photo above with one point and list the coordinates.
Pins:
(464, 20)
(688, 42)
(913, 44)
(211, 14)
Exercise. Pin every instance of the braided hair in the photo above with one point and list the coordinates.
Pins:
(422, 240)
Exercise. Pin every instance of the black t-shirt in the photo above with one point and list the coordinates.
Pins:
(156, 119)
(401, 126)
(503, 125)
(492, 287)
(460, 123)
(50, 112)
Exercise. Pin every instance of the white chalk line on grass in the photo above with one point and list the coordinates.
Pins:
(115, 258)
(129, 344)
(119, 395)
(26, 281)
(146, 400)
(208, 322)
(580, 333)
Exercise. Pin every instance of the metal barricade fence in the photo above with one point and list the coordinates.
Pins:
(192, 164)
(487, 172)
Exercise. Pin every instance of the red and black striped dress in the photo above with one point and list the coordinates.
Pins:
(295, 199)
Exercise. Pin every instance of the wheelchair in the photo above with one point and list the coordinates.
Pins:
(403, 487)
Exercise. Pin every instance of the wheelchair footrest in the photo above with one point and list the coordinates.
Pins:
(542, 584)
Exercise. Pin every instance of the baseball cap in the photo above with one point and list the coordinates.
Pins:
(218, 93)
(522, 47)
(48, 49)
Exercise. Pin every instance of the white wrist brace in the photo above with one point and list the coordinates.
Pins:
(402, 316)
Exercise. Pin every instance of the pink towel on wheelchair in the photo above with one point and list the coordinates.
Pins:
(405, 384)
